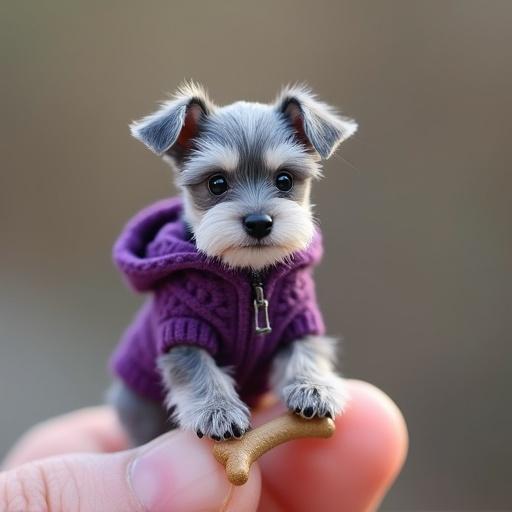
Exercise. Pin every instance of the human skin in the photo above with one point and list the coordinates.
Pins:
(81, 461)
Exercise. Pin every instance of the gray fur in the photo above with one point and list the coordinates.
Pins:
(201, 394)
(303, 376)
(160, 131)
(143, 419)
(249, 128)
(252, 193)
(323, 127)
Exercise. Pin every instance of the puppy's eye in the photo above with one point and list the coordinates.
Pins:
(217, 185)
(284, 181)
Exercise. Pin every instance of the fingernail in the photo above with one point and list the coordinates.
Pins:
(178, 473)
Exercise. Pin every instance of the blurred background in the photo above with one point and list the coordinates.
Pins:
(416, 209)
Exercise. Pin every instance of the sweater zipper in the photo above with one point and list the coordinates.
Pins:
(260, 305)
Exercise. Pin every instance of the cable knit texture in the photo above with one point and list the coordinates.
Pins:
(197, 300)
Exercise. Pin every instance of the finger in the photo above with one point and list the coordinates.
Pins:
(174, 472)
(349, 472)
(95, 429)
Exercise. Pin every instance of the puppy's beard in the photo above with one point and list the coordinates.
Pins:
(220, 233)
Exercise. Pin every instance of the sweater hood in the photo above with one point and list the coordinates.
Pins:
(155, 243)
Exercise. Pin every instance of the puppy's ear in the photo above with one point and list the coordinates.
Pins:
(316, 124)
(170, 131)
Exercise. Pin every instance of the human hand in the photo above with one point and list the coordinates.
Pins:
(80, 461)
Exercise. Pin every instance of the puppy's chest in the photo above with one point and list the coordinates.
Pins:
(249, 313)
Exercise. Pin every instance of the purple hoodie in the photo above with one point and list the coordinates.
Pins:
(197, 300)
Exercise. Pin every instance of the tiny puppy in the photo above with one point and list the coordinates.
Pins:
(231, 310)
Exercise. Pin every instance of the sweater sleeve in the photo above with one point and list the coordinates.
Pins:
(163, 322)
(185, 330)
(177, 322)
(307, 322)
(306, 319)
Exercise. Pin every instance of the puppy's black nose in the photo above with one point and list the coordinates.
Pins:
(258, 225)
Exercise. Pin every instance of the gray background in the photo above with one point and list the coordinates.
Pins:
(416, 209)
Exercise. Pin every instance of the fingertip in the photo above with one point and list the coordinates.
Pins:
(372, 436)
(374, 404)
(352, 470)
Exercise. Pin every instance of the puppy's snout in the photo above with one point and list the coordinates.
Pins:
(258, 225)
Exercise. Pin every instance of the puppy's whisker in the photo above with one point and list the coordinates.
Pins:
(338, 156)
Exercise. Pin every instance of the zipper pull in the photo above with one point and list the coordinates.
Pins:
(260, 304)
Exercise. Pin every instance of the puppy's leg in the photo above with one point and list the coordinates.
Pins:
(142, 419)
(303, 376)
(202, 394)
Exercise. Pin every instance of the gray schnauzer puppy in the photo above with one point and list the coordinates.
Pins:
(245, 172)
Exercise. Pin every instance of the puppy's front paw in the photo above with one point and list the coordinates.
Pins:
(325, 397)
(219, 418)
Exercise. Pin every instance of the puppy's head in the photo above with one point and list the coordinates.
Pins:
(246, 169)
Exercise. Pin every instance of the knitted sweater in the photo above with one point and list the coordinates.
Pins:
(197, 300)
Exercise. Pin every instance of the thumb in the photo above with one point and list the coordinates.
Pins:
(175, 472)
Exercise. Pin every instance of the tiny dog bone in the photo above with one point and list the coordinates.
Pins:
(237, 455)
